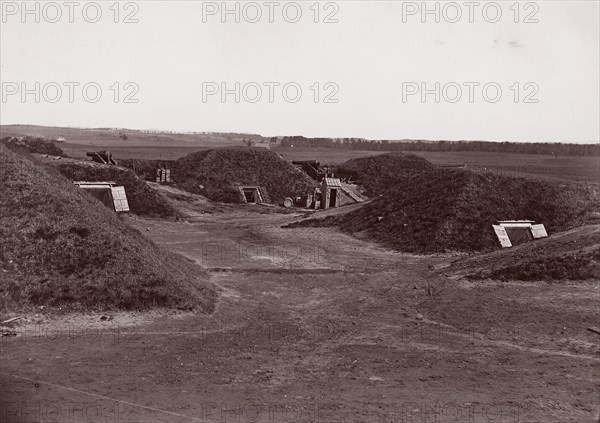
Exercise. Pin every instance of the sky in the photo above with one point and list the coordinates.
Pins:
(498, 71)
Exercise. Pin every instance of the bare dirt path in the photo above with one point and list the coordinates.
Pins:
(313, 325)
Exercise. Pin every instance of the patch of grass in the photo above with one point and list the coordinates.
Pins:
(581, 265)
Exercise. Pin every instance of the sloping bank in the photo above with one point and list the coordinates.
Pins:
(425, 209)
(61, 248)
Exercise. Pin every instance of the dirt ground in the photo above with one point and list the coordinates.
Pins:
(312, 325)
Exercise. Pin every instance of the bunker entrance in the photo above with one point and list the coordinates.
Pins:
(333, 198)
(251, 195)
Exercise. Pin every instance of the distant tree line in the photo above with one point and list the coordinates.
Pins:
(558, 149)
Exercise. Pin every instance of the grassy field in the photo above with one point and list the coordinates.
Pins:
(573, 168)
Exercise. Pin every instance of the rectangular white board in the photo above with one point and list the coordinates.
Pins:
(502, 236)
(119, 199)
(538, 231)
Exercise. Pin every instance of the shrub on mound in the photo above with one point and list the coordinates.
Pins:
(217, 173)
(383, 172)
(62, 248)
(142, 199)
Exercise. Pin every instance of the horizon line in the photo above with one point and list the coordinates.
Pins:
(176, 132)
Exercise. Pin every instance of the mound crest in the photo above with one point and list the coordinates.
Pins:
(32, 145)
(440, 209)
(61, 248)
(381, 173)
(217, 174)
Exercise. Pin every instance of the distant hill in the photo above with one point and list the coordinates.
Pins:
(60, 247)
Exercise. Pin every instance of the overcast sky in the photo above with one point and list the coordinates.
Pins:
(368, 68)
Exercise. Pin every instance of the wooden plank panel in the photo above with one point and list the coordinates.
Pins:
(502, 236)
(539, 231)
(119, 199)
